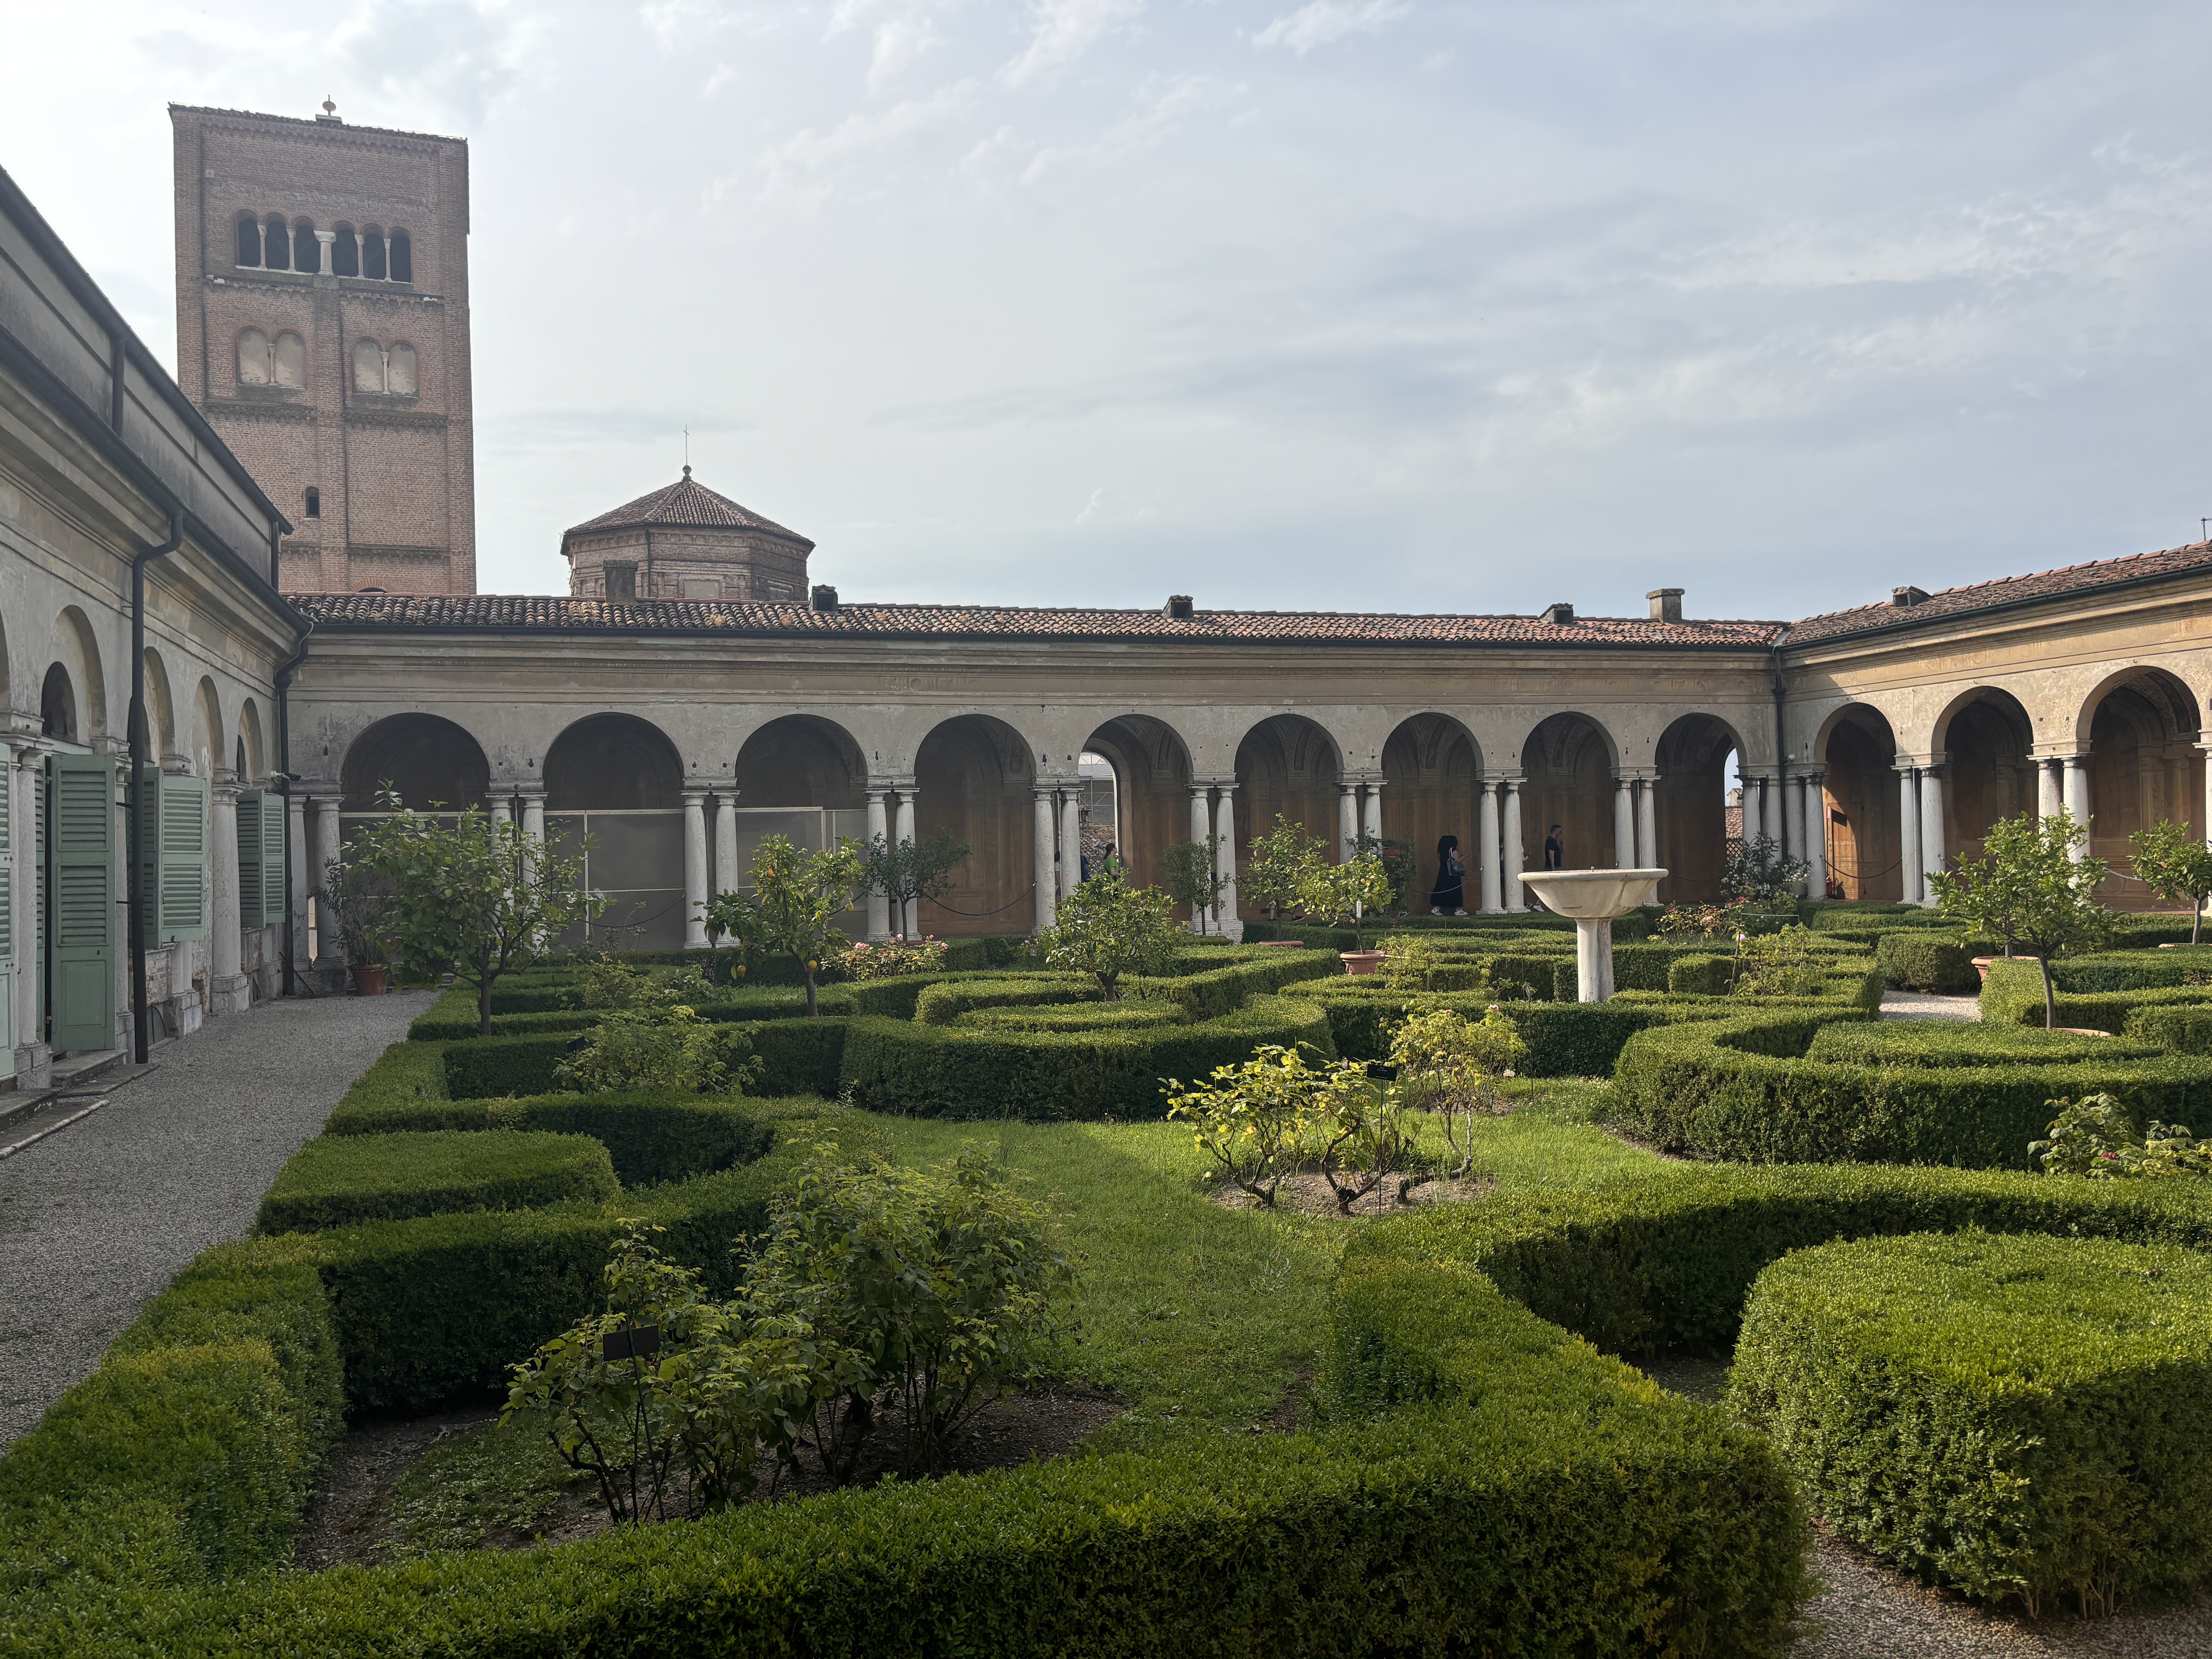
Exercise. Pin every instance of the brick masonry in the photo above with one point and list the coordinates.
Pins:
(393, 469)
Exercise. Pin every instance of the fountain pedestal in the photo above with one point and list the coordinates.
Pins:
(1593, 898)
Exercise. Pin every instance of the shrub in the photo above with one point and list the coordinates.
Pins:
(1079, 1017)
(1701, 975)
(651, 1137)
(2096, 1138)
(1916, 961)
(482, 1067)
(1261, 1118)
(1747, 1089)
(2011, 1417)
(335, 1180)
(2185, 1030)
(1108, 929)
(798, 1056)
(658, 1046)
(946, 1001)
(2013, 992)
(1447, 1063)
(886, 957)
(936, 1071)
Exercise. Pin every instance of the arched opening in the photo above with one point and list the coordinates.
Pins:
(2143, 728)
(368, 366)
(161, 709)
(345, 253)
(801, 777)
(372, 254)
(311, 502)
(1149, 771)
(617, 781)
(1864, 849)
(307, 252)
(253, 360)
(88, 678)
(972, 775)
(1287, 767)
(1690, 806)
(288, 362)
(252, 767)
(58, 706)
(433, 763)
(210, 747)
(278, 240)
(1567, 767)
(400, 370)
(1989, 744)
(249, 241)
(1432, 774)
(402, 257)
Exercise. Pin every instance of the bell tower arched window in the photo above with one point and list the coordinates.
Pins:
(249, 241)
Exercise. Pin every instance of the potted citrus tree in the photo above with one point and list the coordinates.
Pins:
(1341, 895)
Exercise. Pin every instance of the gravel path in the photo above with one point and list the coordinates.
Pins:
(1918, 1005)
(96, 1219)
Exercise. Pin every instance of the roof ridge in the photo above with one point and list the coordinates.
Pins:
(2061, 579)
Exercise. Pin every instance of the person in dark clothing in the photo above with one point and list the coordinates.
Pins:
(1555, 850)
(1449, 897)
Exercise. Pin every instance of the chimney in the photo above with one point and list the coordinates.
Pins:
(1177, 608)
(1558, 614)
(823, 597)
(1904, 599)
(1666, 604)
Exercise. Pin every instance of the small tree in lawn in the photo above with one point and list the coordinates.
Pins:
(1276, 862)
(2028, 888)
(1108, 928)
(479, 898)
(1188, 868)
(793, 908)
(1341, 894)
(908, 872)
(2172, 862)
(1761, 871)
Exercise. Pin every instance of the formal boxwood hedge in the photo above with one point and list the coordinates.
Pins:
(1078, 1016)
(2010, 1417)
(2013, 995)
(1747, 1089)
(914, 1069)
(944, 1003)
(1927, 961)
(2185, 1030)
(335, 1180)
(651, 1136)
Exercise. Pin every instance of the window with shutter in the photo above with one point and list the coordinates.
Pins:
(273, 809)
(7, 911)
(249, 858)
(175, 843)
(81, 926)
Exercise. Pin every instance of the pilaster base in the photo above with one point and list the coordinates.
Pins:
(230, 993)
(34, 1065)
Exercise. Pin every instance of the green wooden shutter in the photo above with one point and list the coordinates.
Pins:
(82, 843)
(6, 909)
(273, 897)
(180, 884)
(249, 858)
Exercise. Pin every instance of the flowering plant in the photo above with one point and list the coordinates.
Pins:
(886, 958)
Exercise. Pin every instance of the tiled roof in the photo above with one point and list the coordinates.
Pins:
(685, 502)
(502, 613)
(2008, 590)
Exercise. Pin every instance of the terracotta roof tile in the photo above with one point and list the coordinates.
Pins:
(502, 613)
(2007, 590)
(685, 502)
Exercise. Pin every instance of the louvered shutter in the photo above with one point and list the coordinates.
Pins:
(249, 858)
(272, 858)
(7, 908)
(180, 859)
(81, 837)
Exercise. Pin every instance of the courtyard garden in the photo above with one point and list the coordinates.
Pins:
(1116, 1291)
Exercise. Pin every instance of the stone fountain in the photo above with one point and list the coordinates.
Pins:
(1593, 898)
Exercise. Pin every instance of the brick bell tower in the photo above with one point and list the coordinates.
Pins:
(323, 328)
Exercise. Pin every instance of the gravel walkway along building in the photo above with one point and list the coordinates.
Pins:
(96, 1219)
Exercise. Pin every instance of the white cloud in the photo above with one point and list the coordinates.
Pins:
(1324, 22)
(810, 166)
(1063, 30)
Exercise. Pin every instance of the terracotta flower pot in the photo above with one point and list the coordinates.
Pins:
(1362, 961)
(368, 979)
(1982, 966)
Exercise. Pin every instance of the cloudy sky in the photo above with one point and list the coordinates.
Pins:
(1336, 305)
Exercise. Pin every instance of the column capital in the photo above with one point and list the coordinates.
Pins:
(1226, 786)
(225, 785)
(1512, 779)
(535, 787)
(695, 795)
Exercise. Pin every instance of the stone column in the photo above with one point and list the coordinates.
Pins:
(2077, 796)
(1048, 878)
(325, 853)
(1224, 859)
(502, 808)
(1510, 836)
(695, 869)
(1347, 820)
(2050, 787)
(2204, 822)
(908, 923)
(295, 839)
(1793, 805)
(1623, 822)
(531, 800)
(1071, 841)
(33, 1059)
(1770, 806)
(1908, 830)
(1935, 837)
(1201, 829)
(324, 238)
(228, 991)
(879, 906)
(1816, 835)
(1486, 847)
(1372, 821)
(1647, 822)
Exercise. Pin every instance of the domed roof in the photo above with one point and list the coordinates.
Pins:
(687, 502)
